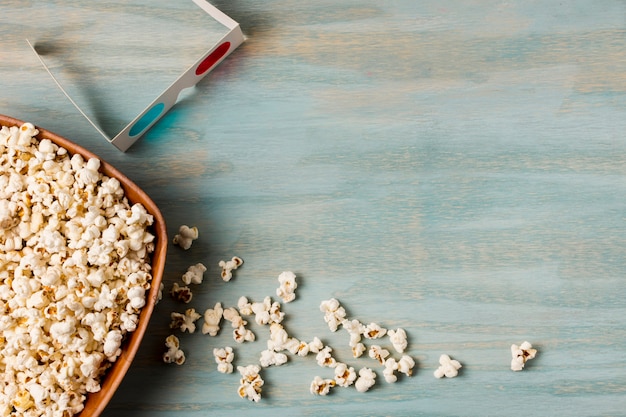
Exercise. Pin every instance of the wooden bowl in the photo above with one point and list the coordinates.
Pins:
(96, 402)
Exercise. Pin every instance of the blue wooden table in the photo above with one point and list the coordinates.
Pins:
(456, 169)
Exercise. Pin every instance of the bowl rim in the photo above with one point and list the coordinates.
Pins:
(95, 403)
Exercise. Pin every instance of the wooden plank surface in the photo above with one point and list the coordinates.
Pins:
(453, 168)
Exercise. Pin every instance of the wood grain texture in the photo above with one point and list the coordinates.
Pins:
(453, 168)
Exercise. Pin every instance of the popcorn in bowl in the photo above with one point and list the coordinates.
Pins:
(82, 251)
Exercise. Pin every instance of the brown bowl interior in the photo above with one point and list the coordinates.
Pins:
(96, 402)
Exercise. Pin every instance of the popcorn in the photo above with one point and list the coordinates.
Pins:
(267, 312)
(232, 315)
(344, 375)
(185, 236)
(270, 357)
(398, 339)
(378, 353)
(278, 338)
(320, 386)
(212, 319)
(194, 274)
(448, 367)
(224, 359)
(74, 272)
(185, 322)
(391, 366)
(406, 364)
(366, 379)
(241, 334)
(174, 354)
(324, 357)
(182, 294)
(358, 350)
(374, 331)
(334, 313)
(287, 288)
(251, 382)
(229, 266)
(521, 354)
(244, 306)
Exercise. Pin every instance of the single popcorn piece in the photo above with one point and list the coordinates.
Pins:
(185, 236)
(321, 386)
(374, 331)
(520, 354)
(358, 350)
(241, 334)
(244, 306)
(232, 315)
(185, 322)
(334, 313)
(316, 345)
(174, 354)
(324, 357)
(406, 364)
(194, 274)
(398, 339)
(251, 383)
(355, 329)
(366, 379)
(229, 266)
(224, 359)
(278, 338)
(391, 366)
(270, 357)
(344, 375)
(182, 294)
(212, 319)
(267, 312)
(287, 289)
(378, 353)
(448, 367)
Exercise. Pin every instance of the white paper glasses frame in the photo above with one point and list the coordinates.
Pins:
(151, 114)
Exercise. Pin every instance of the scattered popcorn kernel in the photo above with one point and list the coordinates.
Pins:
(398, 339)
(278, 338)
(391, 366)
(374, 331)
(378, 353)
(262, 311)
(224, 359)
(182, 294)
(406, 364)
(448, 367)
(321, 386)
(270, 357)
(229, 266)
(244, 306)
(520, 354)
(366, 379)
(355, 329)
(287, 288)
(212, 319)
(241, 334)
(194, 274)
(324, 357)
(344, 375)
(174, 354)
(185, 237)
(316, 345)
(232, 315)
(185, 322)
(251, 382)
(334, 313)
(358, 350)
